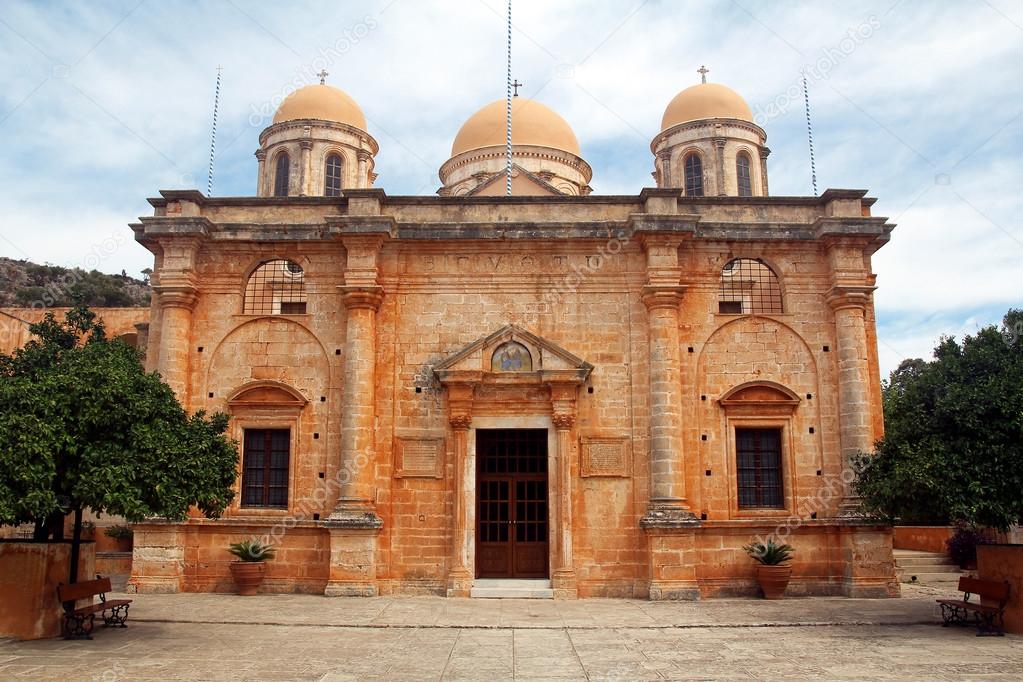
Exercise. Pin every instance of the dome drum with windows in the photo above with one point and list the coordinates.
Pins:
(709, 144)
(317, 145)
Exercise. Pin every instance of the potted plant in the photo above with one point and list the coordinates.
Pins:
(122, 535)
(250, 568)
(772, 575)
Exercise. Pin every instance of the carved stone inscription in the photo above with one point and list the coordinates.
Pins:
(605, 457)
(418, 457)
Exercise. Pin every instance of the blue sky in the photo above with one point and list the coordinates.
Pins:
(102, 104)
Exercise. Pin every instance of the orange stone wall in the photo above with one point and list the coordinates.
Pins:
(438, 294)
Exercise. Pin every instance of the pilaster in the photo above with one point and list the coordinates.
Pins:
(719, 163)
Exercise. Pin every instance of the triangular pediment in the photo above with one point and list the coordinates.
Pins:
(524, 183)
(513, 352)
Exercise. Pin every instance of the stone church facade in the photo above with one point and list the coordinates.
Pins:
(610, 393)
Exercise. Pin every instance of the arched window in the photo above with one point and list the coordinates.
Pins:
(281, 174)
(694, 175)
(276, 287)
(749, 286)
(332, 176)
(742, 175)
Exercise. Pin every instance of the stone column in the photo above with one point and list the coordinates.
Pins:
(764, 151)
(176, 305)
(305, 178)
(362, 181)
(358, 405)
(719, 162)
(662, 297)
(563, 579)
(855, 424)
(261, 173)
(460, 577)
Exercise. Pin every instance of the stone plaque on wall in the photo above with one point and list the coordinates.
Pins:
(605, 456)
(417, 457)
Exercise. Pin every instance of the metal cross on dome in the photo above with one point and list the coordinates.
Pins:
(516, 85)
(703, 71)
(323, 76)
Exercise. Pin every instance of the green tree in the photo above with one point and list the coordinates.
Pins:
(953, 444)
(83, 425)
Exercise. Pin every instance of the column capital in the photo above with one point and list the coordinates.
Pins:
(460, 422)
(843, 296)
(655, 297)
(261, 155)
(563, 421)
(719, 142)
(764, 152)
(362, 297)
(305, 144)
(363, 155)
(177, 296)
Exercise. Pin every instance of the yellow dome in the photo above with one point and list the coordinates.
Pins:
(706, 100)
(323, 103)
(532, 124)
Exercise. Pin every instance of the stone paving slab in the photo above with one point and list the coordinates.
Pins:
(223, 637)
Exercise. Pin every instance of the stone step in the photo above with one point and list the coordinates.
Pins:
(500, 588)
(920, 561)
(930, 567)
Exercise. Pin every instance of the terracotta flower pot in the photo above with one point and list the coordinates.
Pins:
(248, 576)
(773, 580)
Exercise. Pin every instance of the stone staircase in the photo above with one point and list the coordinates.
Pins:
(928, 568)
(502, 588)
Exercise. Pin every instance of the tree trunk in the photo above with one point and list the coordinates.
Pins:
(76, 547)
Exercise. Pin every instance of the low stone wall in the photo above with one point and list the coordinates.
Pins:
(831, 558)
(29, 575)
(923, 538)
(1005, 562)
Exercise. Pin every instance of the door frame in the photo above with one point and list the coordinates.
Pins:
(471, 499)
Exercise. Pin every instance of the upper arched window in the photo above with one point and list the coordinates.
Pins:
(276, 287)
(282, 172)
(332, 176)
(693, 167)
(749, 286)
(742, 175)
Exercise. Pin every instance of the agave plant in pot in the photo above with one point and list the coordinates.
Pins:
(250, 568)
(772, 575)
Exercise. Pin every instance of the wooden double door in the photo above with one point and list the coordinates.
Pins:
(512, 532)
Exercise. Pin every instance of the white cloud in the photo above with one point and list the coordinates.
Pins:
(101, 105)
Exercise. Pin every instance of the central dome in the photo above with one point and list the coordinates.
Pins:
(532, 124)
(706, 100)
(321, 103)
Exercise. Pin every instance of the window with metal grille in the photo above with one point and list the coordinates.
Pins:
(332, 175)
(693, 168)
(742, 175)
(749, 286)
(282, 172)
(758, 468)
(265, 468)
(276, 287)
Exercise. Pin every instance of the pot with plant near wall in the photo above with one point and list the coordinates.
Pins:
(772, 573)
(249, 570)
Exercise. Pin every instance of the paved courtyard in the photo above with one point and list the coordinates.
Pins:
(296, 637)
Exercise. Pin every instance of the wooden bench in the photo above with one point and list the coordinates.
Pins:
(79, 622)
(989, 619)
